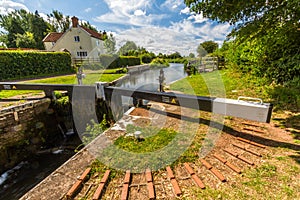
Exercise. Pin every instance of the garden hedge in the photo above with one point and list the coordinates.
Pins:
(114, 61)
(15, 65)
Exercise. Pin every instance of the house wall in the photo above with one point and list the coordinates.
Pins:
(67, 42)
(87, 44)
(48, 46)
(97, 48)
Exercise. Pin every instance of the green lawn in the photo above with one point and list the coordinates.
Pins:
(231, 84)
(90, 79)
(224, 83)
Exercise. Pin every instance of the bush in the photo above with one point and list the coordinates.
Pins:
(146, 58)
(24, 64)
(124, 61)
(159, 62)
(108, 61)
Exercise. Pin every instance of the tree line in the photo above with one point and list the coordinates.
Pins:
(24, 29)
(265, 40)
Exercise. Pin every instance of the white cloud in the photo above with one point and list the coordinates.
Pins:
(7, 6)
(172, 4)
(129, 13)
(183, 37)
(186, 10)
(198, 18)
(139, 13)
(87, 10)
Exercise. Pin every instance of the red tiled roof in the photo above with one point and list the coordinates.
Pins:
(93, 33)
(52, 37)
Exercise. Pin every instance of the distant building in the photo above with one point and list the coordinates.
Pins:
(82, 43)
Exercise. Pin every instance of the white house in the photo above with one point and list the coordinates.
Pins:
(81, 42)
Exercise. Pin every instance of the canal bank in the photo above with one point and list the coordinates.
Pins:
(23, 129)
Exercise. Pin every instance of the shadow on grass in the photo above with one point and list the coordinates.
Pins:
(231, 131)
(286, 97)
(296, 157)
(292, 124)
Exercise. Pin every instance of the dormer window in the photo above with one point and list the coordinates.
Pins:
(76, 38)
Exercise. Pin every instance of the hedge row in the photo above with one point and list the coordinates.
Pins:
(112, 62)
(123, 61)
(16, 65)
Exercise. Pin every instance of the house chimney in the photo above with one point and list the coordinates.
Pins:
(74, 22)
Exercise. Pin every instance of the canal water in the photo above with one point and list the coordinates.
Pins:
(148, 80)
(16, 182)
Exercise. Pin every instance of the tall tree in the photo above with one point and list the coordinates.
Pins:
(12, 24)
(192, 55)
(110, 44)
(59, 22)
(20, 24)
(39, 28)
(175, 55)
(209, 46)
(201, 51)
(25, 41)
(250, 18)
(269, 29)
(88, 25)
(127, 47)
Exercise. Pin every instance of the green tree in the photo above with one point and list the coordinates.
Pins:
(175, 55)
(127, 47)
(12, 24)
(192, 55)
(266, 34)
(201, 51)
(110, 44)
(250, 18)
(88, 25)
(17, 23)
(209, 46)
(59, 22)
(25, 41)
(39, 28)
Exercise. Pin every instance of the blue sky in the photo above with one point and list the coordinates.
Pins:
(159, 26)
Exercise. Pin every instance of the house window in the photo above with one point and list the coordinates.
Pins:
(82, 54)
(76, 38)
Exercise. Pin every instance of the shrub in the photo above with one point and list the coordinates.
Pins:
(146, 58)
(159, 62)
(26, 64)
(124, 61)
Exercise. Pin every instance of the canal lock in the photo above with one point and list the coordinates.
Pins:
(35, 139)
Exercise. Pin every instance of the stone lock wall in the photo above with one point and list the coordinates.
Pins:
(24, 129)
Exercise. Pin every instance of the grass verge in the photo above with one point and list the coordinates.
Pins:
(90, 79)
(235, 84)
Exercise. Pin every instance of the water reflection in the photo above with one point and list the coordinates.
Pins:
(148, 80)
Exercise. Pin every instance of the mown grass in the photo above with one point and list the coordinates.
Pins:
(232, 84)
(149, 141)
(225, 83)
(275, 179)
(90, 79)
